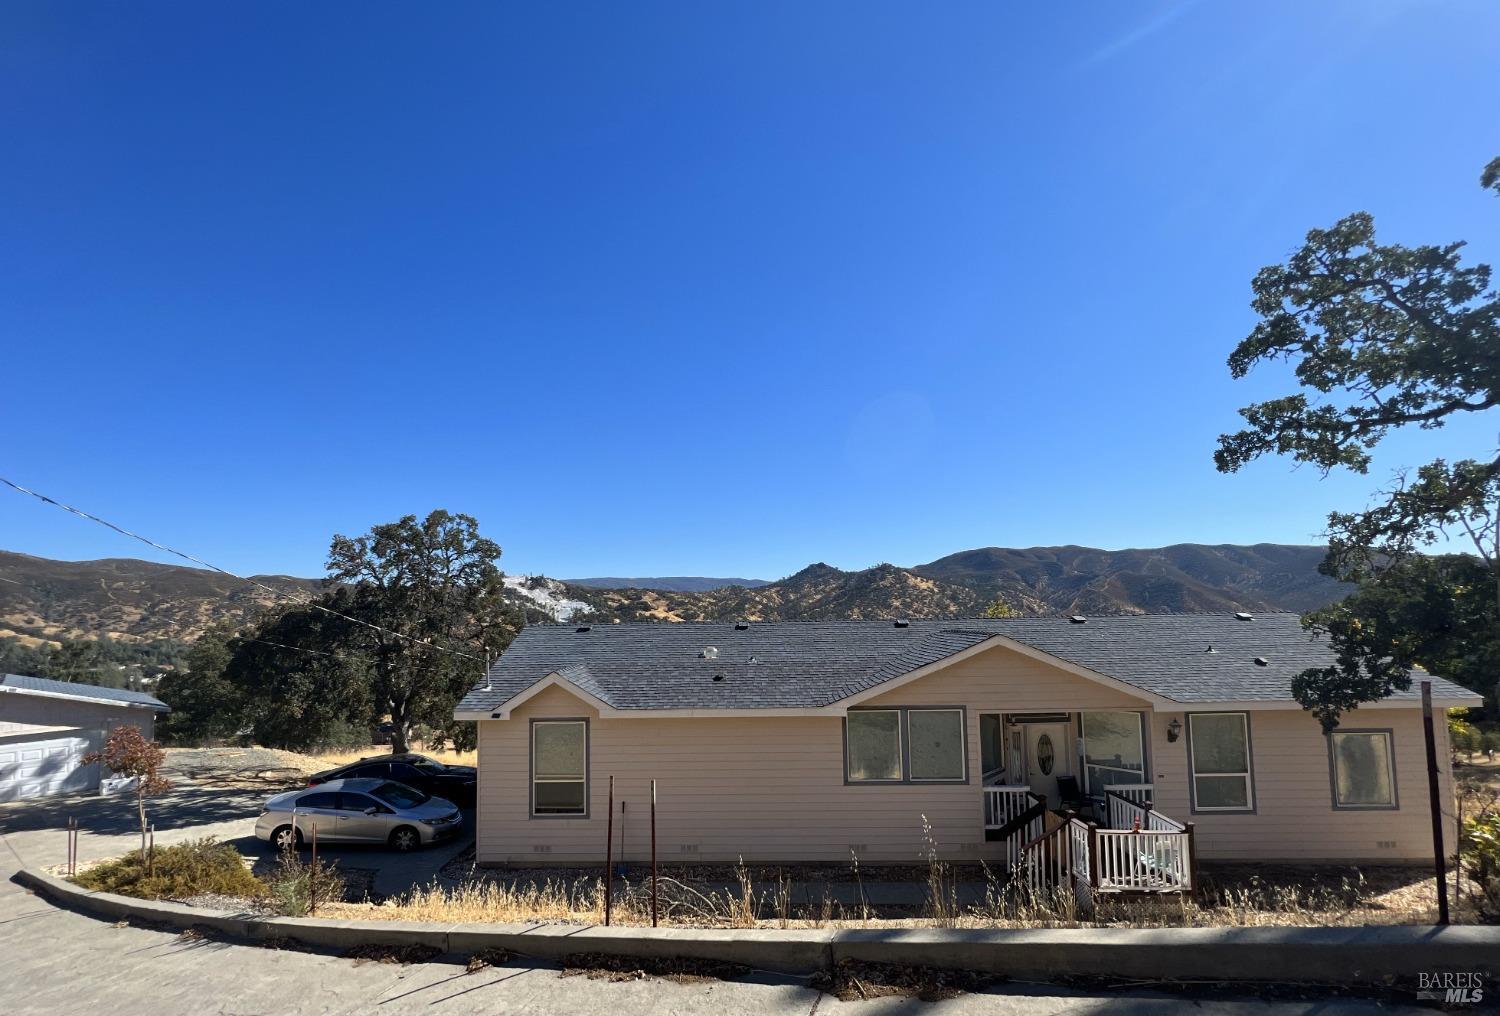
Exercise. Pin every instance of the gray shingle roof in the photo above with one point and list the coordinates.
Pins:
(799, 664)
(72, 689)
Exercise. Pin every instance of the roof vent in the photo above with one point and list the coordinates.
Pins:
(1261, 661)
(754, 660)
(583, 628)
(741, 626)
(718, 677)
(1210, 649)
(1241, 615)
(901, 624)
(1078, 619)
(709, 653)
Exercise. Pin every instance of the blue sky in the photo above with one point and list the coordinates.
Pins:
(692, 288)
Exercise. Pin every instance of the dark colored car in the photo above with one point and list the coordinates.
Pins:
(454, 783)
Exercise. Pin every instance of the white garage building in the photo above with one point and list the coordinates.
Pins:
(47, 727)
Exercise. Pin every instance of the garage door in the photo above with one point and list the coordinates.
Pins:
(47, 766)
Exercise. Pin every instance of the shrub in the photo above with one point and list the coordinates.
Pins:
(185, 869)
(1481, 856)
(294, 887)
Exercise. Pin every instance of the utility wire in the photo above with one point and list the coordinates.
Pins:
(224, 571)
(299, 649)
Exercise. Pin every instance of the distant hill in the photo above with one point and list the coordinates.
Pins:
(120, 598)
(124, 598)
(1183, 577)
(669, 583)
(1039, 580)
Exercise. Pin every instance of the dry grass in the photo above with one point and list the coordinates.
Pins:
(452, 758)
(1232, 898)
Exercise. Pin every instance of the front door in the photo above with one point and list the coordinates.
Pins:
(1048, 756)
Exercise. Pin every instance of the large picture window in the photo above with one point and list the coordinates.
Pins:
(1219, 746)
(1364, 769)
(559, 767)
(917, 745)
(1114, 749)
(872, 742)
(936, 737)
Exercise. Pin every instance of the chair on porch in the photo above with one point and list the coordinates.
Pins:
(1070, 797)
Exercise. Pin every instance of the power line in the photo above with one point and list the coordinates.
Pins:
(299, 649)
(225, 571)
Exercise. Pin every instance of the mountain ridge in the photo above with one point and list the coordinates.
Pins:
(43, 600)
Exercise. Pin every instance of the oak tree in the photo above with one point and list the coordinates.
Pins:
(1380, 337)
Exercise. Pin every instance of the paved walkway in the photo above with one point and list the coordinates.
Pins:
(56, 961)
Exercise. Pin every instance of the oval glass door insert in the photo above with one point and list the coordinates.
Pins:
(1044, 754)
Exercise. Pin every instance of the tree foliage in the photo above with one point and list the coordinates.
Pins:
(412, 610)
(206, 705)
(999, 608)
(1429, 611)
(301, 678)
(128, 753)
(433, 582)
(1381, 337)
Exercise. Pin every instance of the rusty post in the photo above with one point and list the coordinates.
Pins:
(1192, 848)
(312, 873)
(653, 853)
(609, 853)
(1435, 799)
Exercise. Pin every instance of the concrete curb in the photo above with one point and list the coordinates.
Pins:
(1378, 955)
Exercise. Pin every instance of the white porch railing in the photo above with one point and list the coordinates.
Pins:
(1142, 850)
(1131, 861)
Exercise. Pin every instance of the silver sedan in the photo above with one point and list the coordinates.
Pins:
(358, 811)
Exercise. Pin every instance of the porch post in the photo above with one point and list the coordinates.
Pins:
(1094, 856)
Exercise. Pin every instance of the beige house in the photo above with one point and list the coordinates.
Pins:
(1123, 748)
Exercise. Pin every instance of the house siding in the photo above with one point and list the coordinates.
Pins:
(22, 713)
(1294, 817)
(766, 789)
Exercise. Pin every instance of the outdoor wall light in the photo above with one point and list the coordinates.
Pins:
(1174, 729)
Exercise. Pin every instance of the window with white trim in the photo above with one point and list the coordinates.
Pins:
(1364, 769)
(872, 745)
(1219, 746)
(559, 767)
(936, 739)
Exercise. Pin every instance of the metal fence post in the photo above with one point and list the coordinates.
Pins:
(609, 853)
(312, 873)
(653, 854)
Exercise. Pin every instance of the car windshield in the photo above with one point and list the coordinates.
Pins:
(398, 795)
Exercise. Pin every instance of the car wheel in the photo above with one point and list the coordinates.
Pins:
(405, 839)
(286, 838)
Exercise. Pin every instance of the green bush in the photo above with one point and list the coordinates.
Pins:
(293, 885)
(1480, 846)
(179, 871)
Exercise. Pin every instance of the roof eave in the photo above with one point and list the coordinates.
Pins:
(158, 707)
